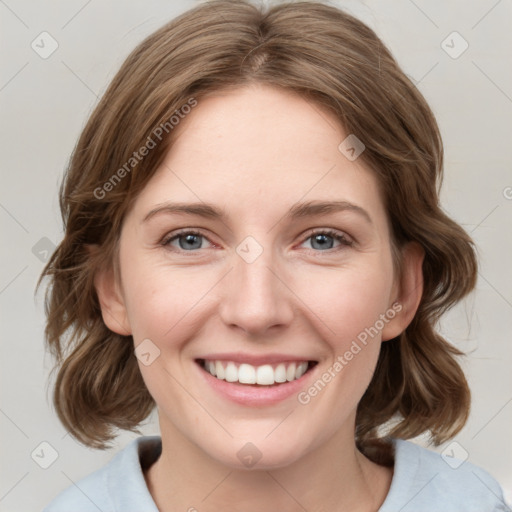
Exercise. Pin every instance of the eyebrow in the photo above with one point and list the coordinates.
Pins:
(299, 210)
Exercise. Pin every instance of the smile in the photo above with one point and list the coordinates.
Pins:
(252, 380)
(264, 375)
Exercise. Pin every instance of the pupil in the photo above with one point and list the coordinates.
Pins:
(322, 240)
(190, 241)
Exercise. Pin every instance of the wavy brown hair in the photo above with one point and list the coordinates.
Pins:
(332, 60)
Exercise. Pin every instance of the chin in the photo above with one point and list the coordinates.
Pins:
(258, 455)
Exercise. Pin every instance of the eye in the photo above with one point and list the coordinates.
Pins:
(187, 240)
(321, 240)
(324, 240)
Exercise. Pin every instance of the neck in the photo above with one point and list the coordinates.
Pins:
(334, 476)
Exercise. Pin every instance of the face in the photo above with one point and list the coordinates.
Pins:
(274, 289)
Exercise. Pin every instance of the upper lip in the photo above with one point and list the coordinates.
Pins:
(256, 360)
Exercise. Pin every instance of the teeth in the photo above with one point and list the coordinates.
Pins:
(290, 372)
(265, 375)
(219, 370)
(280, 373)
(231, 372)
(301, 370)
(246, 374)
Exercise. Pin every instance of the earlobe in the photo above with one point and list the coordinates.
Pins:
(410, 291)
(111, 301)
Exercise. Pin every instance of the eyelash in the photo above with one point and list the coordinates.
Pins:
(343, 239)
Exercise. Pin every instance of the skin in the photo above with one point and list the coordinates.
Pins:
(255, 152)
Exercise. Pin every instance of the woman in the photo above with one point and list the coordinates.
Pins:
(254, 244)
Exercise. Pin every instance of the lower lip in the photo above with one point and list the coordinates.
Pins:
(254, 395)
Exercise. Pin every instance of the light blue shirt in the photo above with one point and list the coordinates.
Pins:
(422, 482)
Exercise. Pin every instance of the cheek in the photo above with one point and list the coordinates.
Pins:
(343, 302)
(163, 302)
(348, 313)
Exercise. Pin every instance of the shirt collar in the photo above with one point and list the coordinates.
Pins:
(125, 478)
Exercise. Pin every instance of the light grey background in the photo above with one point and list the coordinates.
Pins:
(44, 105)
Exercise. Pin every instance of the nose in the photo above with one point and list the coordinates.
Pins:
(255, 297)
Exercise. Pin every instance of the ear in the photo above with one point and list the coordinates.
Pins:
(113, 309)
(408, 291)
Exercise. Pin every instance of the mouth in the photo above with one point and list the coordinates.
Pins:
(265, 375)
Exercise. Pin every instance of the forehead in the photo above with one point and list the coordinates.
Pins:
(255, 151)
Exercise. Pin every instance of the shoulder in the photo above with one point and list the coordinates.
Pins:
(87, 495)
(425, 481)
(118, 486)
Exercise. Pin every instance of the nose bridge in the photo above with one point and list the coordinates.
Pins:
(255, 298)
